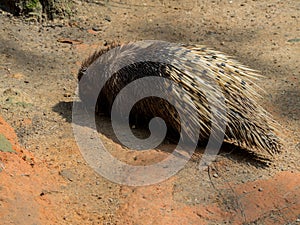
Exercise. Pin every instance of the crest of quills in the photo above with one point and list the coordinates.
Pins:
(249, 126)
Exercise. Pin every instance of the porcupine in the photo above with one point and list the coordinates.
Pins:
(249, 126)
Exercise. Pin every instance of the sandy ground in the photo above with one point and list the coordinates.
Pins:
(46, 180)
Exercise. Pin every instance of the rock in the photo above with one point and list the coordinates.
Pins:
(67, 174)
(294, 40)
(107, 18)
(297, 146)
(96, 29)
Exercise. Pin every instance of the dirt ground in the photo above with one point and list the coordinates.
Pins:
(45, 180)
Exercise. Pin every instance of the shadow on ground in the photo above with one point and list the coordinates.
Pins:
(104, 127)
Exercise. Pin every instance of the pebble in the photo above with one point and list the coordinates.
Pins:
(260, 189)
(297, 146)
(215, 175)
(67, 174)
(107, 18)
(294, 40)
(96, 28)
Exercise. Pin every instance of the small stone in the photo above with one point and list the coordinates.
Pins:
(215, 175)
(96, 29)
(260, 189)
(67, 174)
(297, 146)
(294, 40)
(107, 18)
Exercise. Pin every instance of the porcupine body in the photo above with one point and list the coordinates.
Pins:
(249, 126)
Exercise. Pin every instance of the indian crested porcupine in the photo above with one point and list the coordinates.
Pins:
(248, 125)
